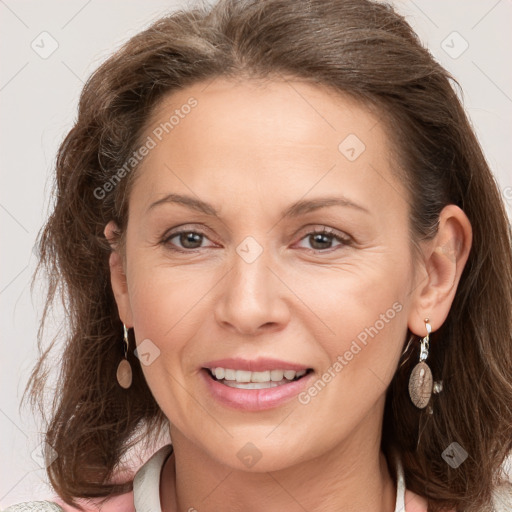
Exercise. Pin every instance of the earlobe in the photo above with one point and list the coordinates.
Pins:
(118, 275)
(444, 260)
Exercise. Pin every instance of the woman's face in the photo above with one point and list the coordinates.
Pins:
(248, 172)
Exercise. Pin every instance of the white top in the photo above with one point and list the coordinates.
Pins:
(146, 489)
(146, 484)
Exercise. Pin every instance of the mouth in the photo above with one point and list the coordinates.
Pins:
(254, 384)
(245, 379)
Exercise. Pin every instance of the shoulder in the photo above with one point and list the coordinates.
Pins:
(122, 503)
(502, 497)
(502, 500)
(34, 506)
(414, 503)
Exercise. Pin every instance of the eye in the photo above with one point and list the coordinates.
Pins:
(186, 240)
(322, 239)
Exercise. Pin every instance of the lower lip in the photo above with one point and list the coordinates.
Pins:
(254, 399)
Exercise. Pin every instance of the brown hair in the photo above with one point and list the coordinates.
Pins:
(357, 47)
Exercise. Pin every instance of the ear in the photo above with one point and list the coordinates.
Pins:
(118, 275)
(444, 258)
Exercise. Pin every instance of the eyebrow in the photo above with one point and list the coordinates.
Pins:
(298, 208)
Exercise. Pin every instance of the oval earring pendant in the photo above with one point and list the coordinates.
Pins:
(124, 374)
(420, 385)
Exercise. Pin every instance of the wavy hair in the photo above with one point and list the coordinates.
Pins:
(356, 47)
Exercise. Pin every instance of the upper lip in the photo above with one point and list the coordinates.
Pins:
(254, 365)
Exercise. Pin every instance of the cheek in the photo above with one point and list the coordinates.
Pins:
(163, 299)
(163, 315)
(168, 308)
(361, 302)
(365, 311)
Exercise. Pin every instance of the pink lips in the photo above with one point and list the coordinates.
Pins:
(254, 399)
(255, 365)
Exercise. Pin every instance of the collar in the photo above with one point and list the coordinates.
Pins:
(146, 483)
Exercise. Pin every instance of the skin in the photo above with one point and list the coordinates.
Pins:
(251, 149)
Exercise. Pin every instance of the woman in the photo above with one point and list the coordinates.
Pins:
(273, 230)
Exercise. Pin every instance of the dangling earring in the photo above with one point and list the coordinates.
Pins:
(124, 370)
(420, 381)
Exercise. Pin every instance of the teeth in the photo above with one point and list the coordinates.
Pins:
(243, 376)
(260, 376)
(252, 385)
(276, 375)
(229, 374)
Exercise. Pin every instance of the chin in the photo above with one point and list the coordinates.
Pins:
(257, 453)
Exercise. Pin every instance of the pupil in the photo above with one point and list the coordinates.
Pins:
(321, 238)
(190, 238)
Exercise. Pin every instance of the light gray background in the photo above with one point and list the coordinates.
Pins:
(38, 101)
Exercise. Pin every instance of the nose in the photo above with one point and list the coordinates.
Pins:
(253, 298)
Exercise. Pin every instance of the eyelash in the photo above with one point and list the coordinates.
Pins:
(345, 241)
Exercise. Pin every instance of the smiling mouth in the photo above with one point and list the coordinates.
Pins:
(242, 379)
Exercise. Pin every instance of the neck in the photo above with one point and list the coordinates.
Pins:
(352, 476)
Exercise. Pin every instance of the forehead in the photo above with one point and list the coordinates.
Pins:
(263, 112)
(250, 135)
